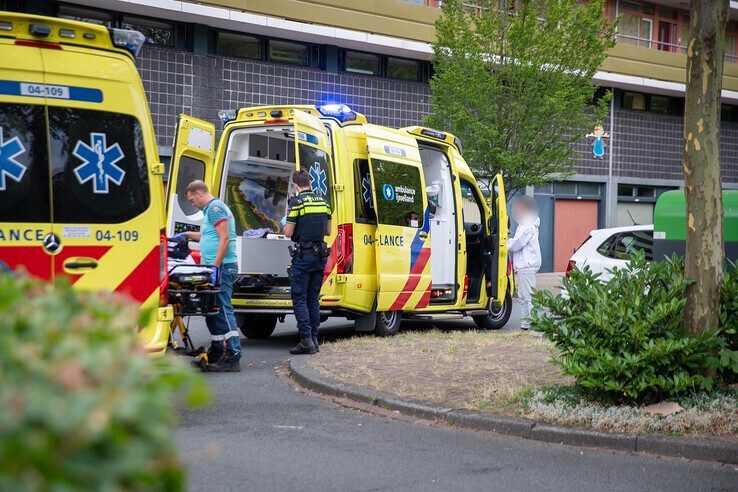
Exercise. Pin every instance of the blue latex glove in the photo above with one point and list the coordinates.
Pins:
(215, 276)
(180, 236)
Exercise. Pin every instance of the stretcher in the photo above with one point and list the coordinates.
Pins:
(193, 291)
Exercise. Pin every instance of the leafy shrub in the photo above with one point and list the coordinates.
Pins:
(622, 339)
(81, 406)
(726, 361)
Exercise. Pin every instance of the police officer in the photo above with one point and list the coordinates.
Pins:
(308, 222)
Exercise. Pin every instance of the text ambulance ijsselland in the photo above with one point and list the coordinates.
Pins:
(413, 235)
(81, 191)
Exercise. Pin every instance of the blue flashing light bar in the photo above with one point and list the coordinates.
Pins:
(339, 111)
(127, 39)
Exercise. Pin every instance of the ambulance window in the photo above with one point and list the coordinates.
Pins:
(317, 164)
(98, 165)
(189, 170)
(24, 169)
(471, 209)
(399, 193)
(363, 200)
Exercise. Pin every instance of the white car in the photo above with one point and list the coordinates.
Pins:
(606, 249)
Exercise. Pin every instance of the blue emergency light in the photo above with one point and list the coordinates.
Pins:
(227, 115)
(339, 111)
(127, 39)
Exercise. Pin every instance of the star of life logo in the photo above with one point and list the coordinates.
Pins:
(99, 163)
(319, 180)
(366, 186)
(10, 168)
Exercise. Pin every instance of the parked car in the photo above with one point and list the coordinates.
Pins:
(606, 249)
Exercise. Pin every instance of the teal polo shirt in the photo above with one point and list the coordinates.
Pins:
(215, 213)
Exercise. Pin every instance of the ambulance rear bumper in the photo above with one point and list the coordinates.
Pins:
(275, 311)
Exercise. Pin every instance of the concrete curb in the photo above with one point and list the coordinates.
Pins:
(697, 449)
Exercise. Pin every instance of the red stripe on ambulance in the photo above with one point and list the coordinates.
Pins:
(32, 258)
(144, 279)
(412, 281)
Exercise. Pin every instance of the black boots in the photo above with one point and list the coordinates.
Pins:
(304, 347)
(227, 363)
(316, 344)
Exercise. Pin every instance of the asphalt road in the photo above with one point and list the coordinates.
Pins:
(259, 434)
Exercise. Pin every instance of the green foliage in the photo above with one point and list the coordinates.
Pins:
(726, 360)
(622, 339)
(516, 89)
(81, 406)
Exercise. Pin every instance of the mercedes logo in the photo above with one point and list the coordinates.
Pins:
(52, 243)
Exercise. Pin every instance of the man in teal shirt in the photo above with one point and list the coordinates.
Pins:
(217, 238)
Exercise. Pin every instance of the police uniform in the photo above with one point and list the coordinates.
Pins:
(310, 213)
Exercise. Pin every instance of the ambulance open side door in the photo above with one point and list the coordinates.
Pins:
(498, 231)
(193, 158)
(402, 241)
(312, 150)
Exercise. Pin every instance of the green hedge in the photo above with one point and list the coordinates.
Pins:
(622, 339)
(81, 406)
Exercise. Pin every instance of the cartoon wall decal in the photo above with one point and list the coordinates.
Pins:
(599, 143)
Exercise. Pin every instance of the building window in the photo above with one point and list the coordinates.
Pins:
(399, 68)
(365, 63)
(660, 104)
(635, 101)
(625, 190)
(729, 113)
(231, 44)
(287, 52)
(565, 188)
(156, 32)
(92, 16)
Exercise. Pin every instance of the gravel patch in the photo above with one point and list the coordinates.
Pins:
(714, 414)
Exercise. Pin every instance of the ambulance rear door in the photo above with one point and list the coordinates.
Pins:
(26, 239)
(498, 229)
(193, 158)
(402, 241)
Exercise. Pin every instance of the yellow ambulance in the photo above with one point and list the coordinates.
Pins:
(413, 234)
(81, 192)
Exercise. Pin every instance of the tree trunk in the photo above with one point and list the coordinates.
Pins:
(702, 180)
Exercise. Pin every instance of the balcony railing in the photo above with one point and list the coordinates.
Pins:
(662, 46)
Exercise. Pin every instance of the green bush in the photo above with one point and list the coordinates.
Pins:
(622, 339)
(81, 406)
(726, 361)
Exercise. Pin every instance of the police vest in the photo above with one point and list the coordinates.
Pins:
(310, 213)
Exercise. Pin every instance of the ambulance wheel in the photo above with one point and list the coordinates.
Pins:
(497, 317)
(388, 323)
(257, 326)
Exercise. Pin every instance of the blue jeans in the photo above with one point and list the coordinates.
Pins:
(222, 326)
(306, 278)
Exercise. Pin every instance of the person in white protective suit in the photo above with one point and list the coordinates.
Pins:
(526, 252)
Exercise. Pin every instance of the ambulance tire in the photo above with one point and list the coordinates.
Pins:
(257, 326)
(497, 317)
(388, 323)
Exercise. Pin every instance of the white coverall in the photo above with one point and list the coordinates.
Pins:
(526, 255)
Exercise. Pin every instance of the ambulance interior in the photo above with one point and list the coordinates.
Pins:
(257, 182)
(442, 217)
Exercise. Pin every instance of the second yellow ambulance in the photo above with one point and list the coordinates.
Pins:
(413, 234)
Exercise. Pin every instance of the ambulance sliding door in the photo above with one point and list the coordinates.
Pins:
(194, 153)
(498, 229)
(402, 240)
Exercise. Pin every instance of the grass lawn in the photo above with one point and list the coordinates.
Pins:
(505, 373)
(471, 370)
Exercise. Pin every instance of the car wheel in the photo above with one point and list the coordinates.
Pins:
(497, 317)
(388, 323)
(257, 326)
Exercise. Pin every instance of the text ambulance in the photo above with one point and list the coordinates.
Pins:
(412, 232)
(81, 192)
